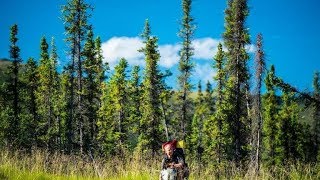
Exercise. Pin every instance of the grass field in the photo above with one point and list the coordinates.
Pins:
(42, 166)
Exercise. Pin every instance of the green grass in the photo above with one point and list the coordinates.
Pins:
(41, 166)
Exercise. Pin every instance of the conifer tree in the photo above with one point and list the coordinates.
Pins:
(54, 129)
(134, 105)
(214, 125)
(29, 115)
(196, 137)
(185, 68)
(94, 70)
(166, 95)
(12, 86)
(118, 86)
(45, 95)
(256, 131)
(150, 136)
(236, 36)
(270, 121)
(75, 16)
(66, 125)
(289, 129)
(116, 112)
(105, 135)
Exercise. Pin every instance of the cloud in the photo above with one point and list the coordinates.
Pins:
(205, 48)
(204, 72)
(127, 47)
(169, 55)
(123, 47)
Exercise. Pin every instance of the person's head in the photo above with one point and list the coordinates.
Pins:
(168, 149)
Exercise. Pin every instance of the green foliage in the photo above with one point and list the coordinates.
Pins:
(80, 110)
(75, 16)
(215, 125)
(186, 32)
(115, 112)
(270, 127)
(197, 125)
(29, 113)
(150, 123)
(11, 95)
(94, 70)
(46, 96)
(135, 93)
(236, 107)
(289, 128)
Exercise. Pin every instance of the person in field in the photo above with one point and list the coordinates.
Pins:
(172, 164)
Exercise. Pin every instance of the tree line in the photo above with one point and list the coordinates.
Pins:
(89, 109)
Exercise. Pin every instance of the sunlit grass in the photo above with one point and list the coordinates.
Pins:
(44, 166)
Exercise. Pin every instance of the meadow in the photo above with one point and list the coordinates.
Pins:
(44, 166)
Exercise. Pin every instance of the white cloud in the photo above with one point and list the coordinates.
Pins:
(169, 55)
(205, 48)
(123, 47)
(127, 47)
(204, 73)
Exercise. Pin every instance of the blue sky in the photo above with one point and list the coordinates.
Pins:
(290, 30)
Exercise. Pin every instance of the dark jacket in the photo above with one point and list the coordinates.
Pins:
(176, 158)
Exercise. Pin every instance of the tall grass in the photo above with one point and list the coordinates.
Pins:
(43, 165)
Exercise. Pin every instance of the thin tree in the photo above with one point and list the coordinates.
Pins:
(150, 134)
(236, 36)
(196, 137)
(257, 111)
(46, 91)
(185, 68)
(29, 115)
(215, 125)
(135, 93)
(93, 68)
(75, 16)
(54, 80)
(12, 132)
(270, 121)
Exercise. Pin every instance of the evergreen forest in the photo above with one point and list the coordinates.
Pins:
(79, 120)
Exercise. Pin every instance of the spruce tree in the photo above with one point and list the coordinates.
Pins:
(29, 113)
(12, 108)
(236, 36)
(100, 68)
(256, 132)
(75, 16)
(135, 93)
(44, 95)
(93, 68)
(54, 80)
(185, 68)
(270, 121)
(214, 126)
(116, 113)
(66, 125)
(166, 104)
(150, 136)
(196, 136)
(289, 129)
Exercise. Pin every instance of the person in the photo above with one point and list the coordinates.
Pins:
(172, 164)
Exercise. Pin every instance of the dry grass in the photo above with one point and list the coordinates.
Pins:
(42, 165)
